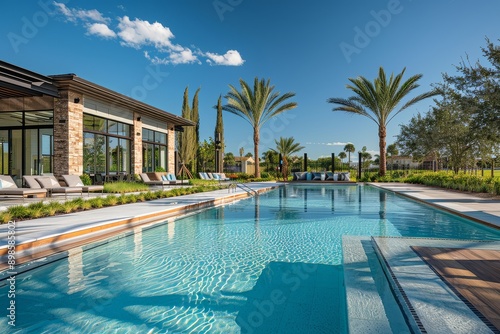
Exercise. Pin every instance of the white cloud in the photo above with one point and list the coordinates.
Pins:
(139, 33)
(100, 29)
(231, 58)
(186, 56)
(74, 15)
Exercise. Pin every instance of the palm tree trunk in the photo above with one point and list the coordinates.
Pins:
(285, 169)
(256, 139)
(382, 133)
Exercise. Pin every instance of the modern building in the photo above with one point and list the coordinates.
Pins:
(63, 124)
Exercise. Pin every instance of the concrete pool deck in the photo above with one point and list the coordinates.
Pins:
(428, 303)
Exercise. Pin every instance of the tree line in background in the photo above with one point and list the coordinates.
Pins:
(460, 129)
(463, 129)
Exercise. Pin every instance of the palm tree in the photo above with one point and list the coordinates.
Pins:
(286, 147)
(342, 156)
(257, 106)
(378, 100)
(349, 148)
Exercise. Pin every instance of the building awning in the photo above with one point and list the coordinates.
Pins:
(73, 82)
(19, 82)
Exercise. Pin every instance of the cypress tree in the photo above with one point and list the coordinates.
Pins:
(195, 137)
(219, 128)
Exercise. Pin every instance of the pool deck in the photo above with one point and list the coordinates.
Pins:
(431, 293)
(430, 304)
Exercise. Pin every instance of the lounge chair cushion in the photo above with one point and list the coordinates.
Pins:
(73, 180)
(31, 182)
(48, 182)
(144, 177)
(6, 184)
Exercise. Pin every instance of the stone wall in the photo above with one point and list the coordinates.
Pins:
(137, 146)
(68, 134)
(171, 149)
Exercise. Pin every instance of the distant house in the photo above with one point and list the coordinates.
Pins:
(244, 165)
(401, 162)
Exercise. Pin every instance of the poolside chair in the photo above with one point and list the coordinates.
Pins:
(145, 178)
(53, 187)
(172, 179)
(220, 177)
(8, 187)
(75, 181)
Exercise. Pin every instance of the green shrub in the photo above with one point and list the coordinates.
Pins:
(110, 200)
(96, 202)
(5, 217)
(86, 180)
(122, 199)
(18, 211)
(124, 187)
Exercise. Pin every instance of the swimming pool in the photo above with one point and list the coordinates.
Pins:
(267, 264)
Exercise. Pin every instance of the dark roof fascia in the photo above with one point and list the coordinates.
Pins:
(29, 83)
(73, 82)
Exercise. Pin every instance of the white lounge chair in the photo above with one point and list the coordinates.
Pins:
(8, 187)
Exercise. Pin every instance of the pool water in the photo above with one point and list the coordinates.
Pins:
(267, 264)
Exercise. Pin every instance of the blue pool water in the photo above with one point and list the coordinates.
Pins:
(267, 264)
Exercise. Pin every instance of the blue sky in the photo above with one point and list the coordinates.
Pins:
(153, 50)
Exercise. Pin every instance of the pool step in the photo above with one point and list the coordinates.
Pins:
(371, 305)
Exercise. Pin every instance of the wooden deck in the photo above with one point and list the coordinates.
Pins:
(473, 273)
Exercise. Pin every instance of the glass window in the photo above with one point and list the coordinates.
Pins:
(147, 157)
(94, 153)
(123, 129)
(4, 152)
(161, 138)
(112, 127)
(147, 135)
(125, 155)
(11, 119)
(39, 118)
(94, 123)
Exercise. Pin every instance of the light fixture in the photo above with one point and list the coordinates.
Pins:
(139, 119)
(138, 133)
(77, 100)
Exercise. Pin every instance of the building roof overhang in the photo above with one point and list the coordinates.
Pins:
(16, 82)
(75, 83)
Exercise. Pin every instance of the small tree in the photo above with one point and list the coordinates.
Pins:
(349, 148)
(286, 147)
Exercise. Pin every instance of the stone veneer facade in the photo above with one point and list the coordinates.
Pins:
(137, 145)
(68, 134)
(171, 150)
